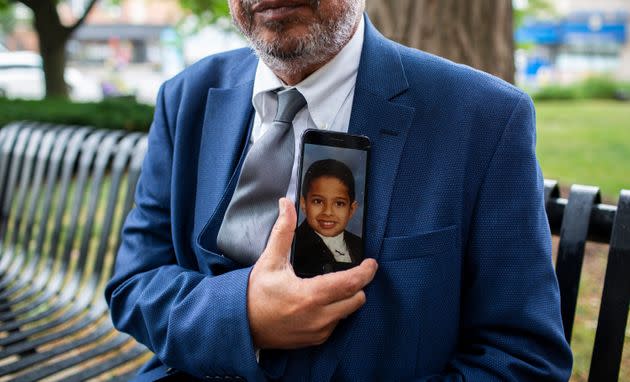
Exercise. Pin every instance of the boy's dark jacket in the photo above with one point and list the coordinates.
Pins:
(313, 252)
(465, 288)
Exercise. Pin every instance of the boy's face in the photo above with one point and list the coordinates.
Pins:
(327, 206)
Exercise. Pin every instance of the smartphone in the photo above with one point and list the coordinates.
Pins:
(331, 202)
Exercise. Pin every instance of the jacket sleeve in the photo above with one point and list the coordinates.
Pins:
(511, 328)
(193, 322)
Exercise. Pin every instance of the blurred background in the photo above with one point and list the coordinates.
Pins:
(101, 62)
(572, 56)
(127, 47)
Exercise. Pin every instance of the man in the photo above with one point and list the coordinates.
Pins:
(465, 288)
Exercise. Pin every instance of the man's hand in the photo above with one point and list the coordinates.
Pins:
(287, 312)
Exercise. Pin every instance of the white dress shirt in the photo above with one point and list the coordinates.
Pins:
(328, 92)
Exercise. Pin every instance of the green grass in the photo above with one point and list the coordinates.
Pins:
(585, 142)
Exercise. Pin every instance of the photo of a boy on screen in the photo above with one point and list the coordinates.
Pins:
(328, 203)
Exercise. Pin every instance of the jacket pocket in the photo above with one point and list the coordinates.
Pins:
(424, 244)
(412, 311)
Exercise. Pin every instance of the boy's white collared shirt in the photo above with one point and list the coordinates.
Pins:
(329, 93)
(337, 246)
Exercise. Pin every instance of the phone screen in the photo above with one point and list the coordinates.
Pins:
(330, 203)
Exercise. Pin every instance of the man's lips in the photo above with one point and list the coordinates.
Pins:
(269, 5)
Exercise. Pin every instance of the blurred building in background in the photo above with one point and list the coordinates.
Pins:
(129, 47)
(134, 45)
(130, 32)
(584, 38)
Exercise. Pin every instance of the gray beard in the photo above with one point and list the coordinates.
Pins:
(322, 42)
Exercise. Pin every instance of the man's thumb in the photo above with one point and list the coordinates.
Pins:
(281, 237)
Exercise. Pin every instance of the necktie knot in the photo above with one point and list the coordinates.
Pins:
(290, 102)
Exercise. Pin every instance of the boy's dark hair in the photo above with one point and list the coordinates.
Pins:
(331, 168)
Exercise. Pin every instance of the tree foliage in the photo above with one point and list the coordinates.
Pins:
(208, 11)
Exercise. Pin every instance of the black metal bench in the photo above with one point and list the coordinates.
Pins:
(64, 192)
(577, 219)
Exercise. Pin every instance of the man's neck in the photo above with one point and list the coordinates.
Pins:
(292, 78)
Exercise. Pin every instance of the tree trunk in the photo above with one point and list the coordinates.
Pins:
(478, 33)
(53, 37)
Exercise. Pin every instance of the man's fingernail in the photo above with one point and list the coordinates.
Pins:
(281, 206)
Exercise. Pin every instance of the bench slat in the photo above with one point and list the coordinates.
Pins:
(44, 265)
(613, 312)
(571, 250)
(75, 193)
(69, 289)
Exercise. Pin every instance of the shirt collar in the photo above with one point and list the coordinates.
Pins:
(334, 242)
(264, 82)
(326, 89)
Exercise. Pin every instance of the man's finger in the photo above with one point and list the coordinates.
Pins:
(281, 237)
(343, 308)
(337, 286)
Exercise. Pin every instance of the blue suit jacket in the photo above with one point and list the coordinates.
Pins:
(465, 288)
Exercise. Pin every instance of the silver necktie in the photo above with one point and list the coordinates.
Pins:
(264, 179)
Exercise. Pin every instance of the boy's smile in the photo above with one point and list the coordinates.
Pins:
(327, 206)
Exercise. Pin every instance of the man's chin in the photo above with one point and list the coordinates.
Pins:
(286, 35)
(284, 51)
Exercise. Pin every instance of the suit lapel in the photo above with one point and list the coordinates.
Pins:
(386, 124)
(375, 114)
(224, 139)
